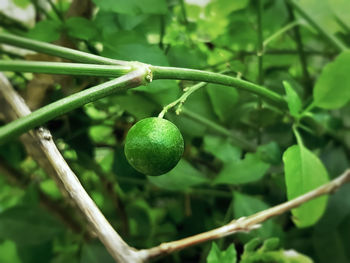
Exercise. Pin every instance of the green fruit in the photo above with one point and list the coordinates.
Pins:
(154, 146)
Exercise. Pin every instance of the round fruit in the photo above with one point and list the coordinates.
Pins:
(154, 146)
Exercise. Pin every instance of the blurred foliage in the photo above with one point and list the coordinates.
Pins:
(218, 178)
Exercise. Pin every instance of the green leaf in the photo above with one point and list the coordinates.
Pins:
(270, 244)
(136, 105)
(41, 29)
(186, 57)
(79, 27)
(223, 100)
(332, 87)
(329, 246)
(246, 205)
(304, 172)
(221, 148)
(22, 3)
(293, 100)
(132, 46)
(28, 225)
(224, 7)
(269, 252)
(182, 177)
(270, 153)
(226, 256)
(8, 252)
(321, 12)
(36, 253)
(95, 253)
(102, 134)
(248, 170)
(341, 9)
(280, 256)
(133, 7)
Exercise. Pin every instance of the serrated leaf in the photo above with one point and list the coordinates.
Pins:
(182, 177)
(225, 256)
(223, 100)
(332, 89)
(293, 100)
(304, 172)
(250, 169)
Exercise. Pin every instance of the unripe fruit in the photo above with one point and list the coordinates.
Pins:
(154, 146)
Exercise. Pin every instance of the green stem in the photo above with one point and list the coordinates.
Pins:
(182, 99)
(260, 53)
(217, 78)
(70, 103)
(183, 10)
(56, 11)
(55, 50)
(302, 55)
(260, 43)
(237, 140)
(331, 38)
(342, 24)
(298, 136)
(280, 32)
(64, 68)
(162, 32)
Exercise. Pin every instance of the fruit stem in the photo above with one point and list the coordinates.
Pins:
(182, 99)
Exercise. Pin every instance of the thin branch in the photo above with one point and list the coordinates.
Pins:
(217, 78)
(183, 10)
(53, 162)
(301, 52)
(331, 38)
(244, 224)
(180, 101)
(260, 42)
(260, 53)
(56, 11)
(280, 32)
(62, 106)
(55, 50)
(63, 68)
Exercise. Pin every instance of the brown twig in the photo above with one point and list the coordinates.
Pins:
(41, 146)
(244, 224)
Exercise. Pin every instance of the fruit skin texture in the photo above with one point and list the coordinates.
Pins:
(154, 146)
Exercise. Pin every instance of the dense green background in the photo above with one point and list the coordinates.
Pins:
(219, 178)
